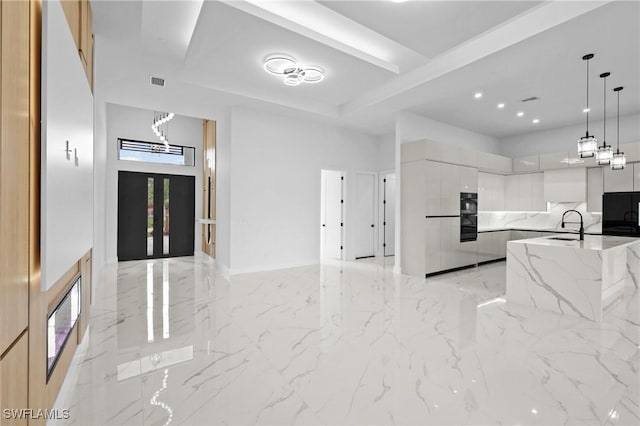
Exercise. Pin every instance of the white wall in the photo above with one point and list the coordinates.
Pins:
(413, 127)
(135, 123)
(566, 138)
(276, 164)
(66, 183)
(387, 152)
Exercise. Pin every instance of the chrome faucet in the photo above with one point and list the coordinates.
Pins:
(581, 222)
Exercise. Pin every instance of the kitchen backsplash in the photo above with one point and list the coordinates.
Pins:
(548, 220)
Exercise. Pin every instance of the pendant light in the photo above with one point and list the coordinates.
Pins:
(605, 152)
(587, 145)
(619, 160)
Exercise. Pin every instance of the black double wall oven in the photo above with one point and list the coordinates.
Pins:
(468, 216)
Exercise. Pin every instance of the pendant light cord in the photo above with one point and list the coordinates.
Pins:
(588, 97)
(618, 149)
(604, 133)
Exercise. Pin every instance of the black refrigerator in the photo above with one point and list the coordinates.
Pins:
(620, 214)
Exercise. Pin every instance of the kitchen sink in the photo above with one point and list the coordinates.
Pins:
(563, 238)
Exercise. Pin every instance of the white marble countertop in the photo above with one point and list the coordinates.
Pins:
(535, 229)
(591, 242)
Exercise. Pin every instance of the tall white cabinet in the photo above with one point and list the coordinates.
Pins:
(430, 211)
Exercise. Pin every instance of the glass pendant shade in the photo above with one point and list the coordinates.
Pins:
(618, 161)
(604, 154)
(587, 146)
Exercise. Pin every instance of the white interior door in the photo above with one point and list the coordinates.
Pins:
(389, 212)
(332, 213)
(365, 208)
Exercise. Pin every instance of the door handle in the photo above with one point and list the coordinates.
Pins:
(372, 225)
(323, 225)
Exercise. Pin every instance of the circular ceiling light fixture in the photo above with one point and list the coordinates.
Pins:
(478, 95)
(292, 73)
(535, 120)
(520, 114)
(500, 105)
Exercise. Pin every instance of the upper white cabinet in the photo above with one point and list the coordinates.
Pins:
(636, 177)
(595, 188)
(554, 160)
(538, 202)
(631, 151)
(450, 179)
(567, 185)
(530, 163)
(469, 157)
(618, 180)
(488, 161)
(511, 197)
(525, 192)
(491, 192)
(469, 179)
(442, 188)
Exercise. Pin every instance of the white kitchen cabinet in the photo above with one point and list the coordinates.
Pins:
(431, 188)
(469, 157)
(538, 203)
(469, 179)
(636, 176)
(618, 180)
(484, 247)
(512, 197)
(568, 185)
(450, 179)
(484, 197)
(449, 243)
(492, 245)
(525, 192)
(468, 253)
(444, 250)
(518, 235)
(554, 160)
(491, 192)
(493, 162)
(450, 154)
(631, 151)
(530, 163)
(595, 188)
(413, 183)
(433, 251)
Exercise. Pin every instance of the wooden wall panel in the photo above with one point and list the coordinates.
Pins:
(14, 372)
(14, 172)
(73, 12)
(209, 196)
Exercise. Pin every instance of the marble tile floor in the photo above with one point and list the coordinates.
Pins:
(172, 341)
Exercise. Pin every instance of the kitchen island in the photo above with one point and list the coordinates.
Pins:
(572, 277)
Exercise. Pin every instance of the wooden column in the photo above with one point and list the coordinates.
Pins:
(209, 186)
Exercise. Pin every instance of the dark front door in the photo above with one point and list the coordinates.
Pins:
(156, 215)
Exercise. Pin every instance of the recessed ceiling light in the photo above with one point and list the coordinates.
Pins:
(500, 106)
(586, 110)
(520, 114)
(478, 95)
(399, 1)
(535, 121)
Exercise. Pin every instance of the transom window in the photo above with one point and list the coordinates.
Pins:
(151, 152)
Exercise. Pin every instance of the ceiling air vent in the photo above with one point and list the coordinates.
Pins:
(157, 81)
(533, 98)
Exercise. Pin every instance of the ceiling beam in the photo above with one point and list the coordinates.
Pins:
(319, 23)
(528, 24)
